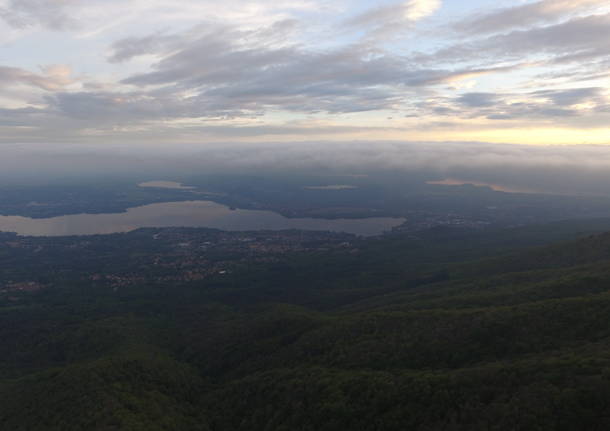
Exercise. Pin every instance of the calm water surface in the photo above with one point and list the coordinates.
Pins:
(165, 185)
(188, 214)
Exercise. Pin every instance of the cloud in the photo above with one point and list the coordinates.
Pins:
(412, 10)
(205, 69)
(210, 68)
(577, 35)
(525, 15)
(428, 77)
(52, 14)
(131, 47)
(551, 105)
(90, 18)
(567, 52)
(21, 117)
(172, 68)
(418, 9)
(478, 100)
(578, 39)
(574, 96)
(54, 77)
(394, 18)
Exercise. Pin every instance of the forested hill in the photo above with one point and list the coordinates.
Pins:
(387, 337)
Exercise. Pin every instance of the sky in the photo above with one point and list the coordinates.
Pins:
(197, 72)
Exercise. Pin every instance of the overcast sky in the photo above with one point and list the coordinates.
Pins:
(199, 71)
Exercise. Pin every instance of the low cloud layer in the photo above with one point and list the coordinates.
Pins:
(581, 169)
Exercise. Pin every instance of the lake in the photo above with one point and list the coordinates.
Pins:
(165, 185)
(188, 214)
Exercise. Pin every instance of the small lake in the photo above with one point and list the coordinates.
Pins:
(165, 185)
(188, 214)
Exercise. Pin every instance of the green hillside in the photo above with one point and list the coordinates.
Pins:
(390, 338)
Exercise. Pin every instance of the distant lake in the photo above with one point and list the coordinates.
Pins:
(494, 187)
(331, 187)
(188, 214)
(165, 185)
